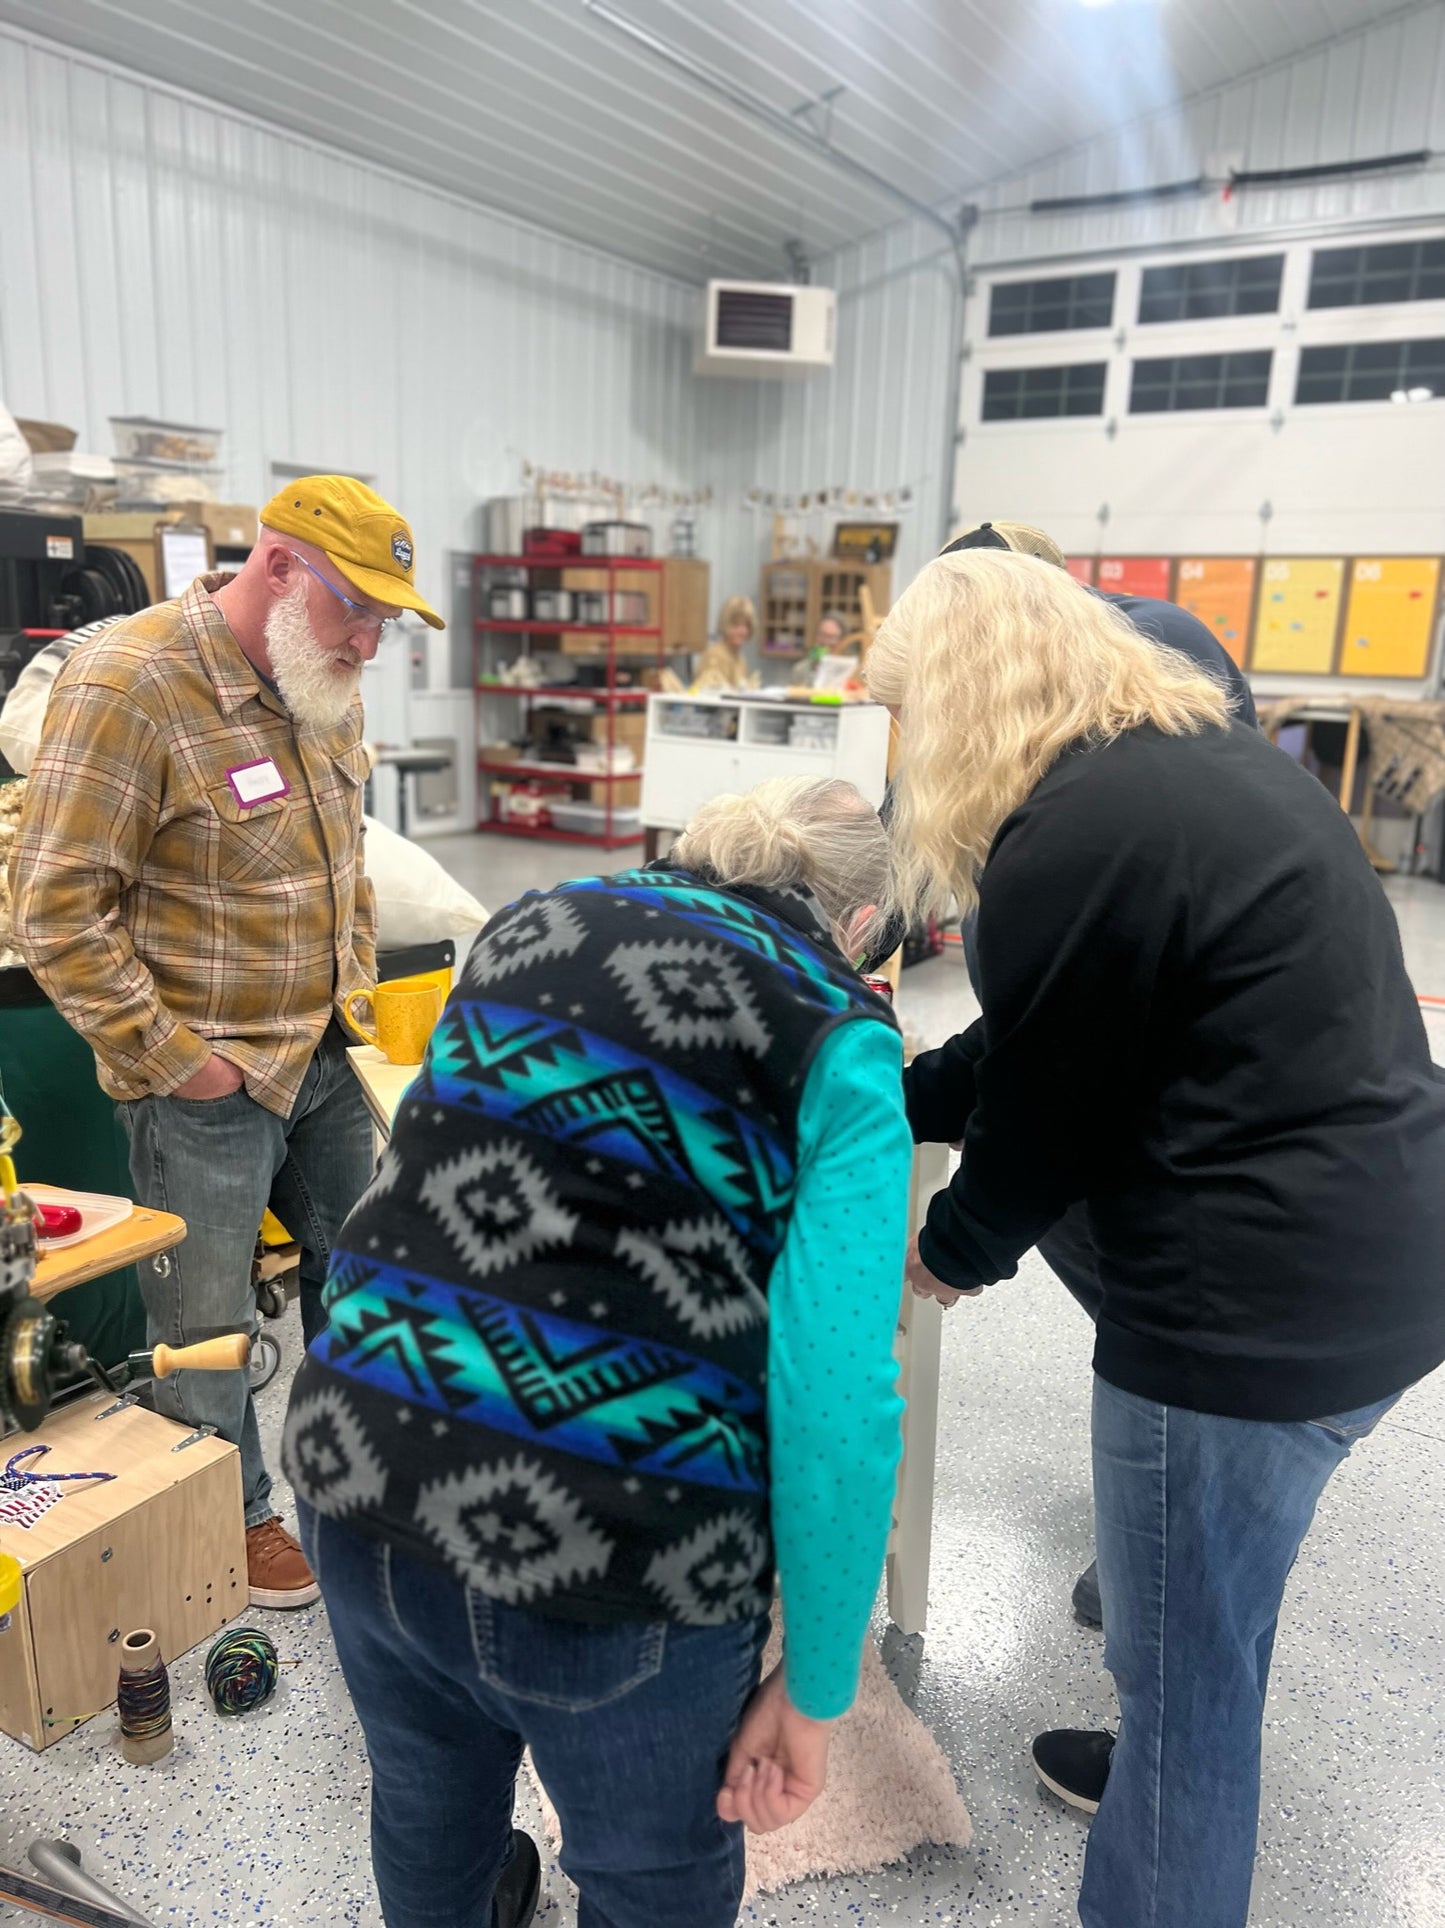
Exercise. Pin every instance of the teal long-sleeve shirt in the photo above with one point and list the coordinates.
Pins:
(833, 1410)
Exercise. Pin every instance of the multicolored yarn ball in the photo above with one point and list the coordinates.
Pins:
(241, 1671)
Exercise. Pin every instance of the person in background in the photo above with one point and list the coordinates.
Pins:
(1196, 1020)
(723, 665)
(189, 893)
(830, 633)
(611, 1336)
(1068, 1247)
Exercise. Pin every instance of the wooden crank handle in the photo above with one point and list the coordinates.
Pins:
(211, 1355)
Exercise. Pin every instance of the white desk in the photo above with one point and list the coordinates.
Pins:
(920, 1326)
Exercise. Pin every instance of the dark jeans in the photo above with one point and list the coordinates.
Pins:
(1199, 1522)
(219, 1163)
(628, 1727)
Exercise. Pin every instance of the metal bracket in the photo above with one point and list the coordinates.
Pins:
(201, 1432)
(123, 1404)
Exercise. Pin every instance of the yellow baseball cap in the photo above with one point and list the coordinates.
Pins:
(363, 535)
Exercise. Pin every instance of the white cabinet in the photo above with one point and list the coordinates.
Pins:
(700, 747)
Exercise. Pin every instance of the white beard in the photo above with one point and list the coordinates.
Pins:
(315, 688)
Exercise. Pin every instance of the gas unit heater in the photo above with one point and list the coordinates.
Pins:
(759, 329)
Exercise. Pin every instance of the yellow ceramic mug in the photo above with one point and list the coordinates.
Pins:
(402, 1014)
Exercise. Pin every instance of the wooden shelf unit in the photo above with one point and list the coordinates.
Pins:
(606, 640)
(797, 594)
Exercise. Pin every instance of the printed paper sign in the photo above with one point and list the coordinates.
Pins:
(1298, 615)
(1390, 617)
(1136, 576)
(1219, 590)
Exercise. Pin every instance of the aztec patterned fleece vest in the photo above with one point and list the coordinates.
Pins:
(547, 1357)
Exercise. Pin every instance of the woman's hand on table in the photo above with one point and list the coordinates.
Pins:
(926, 1286)
(778, 1763)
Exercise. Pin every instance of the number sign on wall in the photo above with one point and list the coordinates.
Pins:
(1219, 590)
(1390, 616)
(1136, 575)
(1298, 616)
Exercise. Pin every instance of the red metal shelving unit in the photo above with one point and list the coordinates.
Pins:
(611, 699)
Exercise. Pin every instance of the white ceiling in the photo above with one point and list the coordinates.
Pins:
(536, 107)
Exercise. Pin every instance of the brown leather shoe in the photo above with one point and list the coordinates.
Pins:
(276, 1568)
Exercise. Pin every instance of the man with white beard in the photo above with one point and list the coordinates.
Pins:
(189, 894)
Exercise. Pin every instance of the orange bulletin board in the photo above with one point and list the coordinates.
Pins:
(1390, 616)
(1219, 590)
(1298, 615)
(1136, 575)
(1081, 568)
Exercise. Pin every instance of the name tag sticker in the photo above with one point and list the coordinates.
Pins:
(253, 783)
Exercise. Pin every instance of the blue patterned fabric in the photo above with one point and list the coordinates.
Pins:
(547, 1354)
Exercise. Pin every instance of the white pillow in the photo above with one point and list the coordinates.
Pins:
(416, 901)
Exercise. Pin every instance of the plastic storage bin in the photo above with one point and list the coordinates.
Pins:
(629, 607)
(144, 484)
(551, 605)
(617, 539)
(590, 819)
(506, 604)
(142, 438)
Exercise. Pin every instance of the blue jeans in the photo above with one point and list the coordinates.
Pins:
(219, 1163)
(628, 1727)
(1199, 1522)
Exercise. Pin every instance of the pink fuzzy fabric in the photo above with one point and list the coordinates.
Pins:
(890, 1790)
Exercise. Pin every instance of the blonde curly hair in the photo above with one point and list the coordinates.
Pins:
(994, 664)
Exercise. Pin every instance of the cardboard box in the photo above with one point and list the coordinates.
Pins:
(162, 1545)
(46, 438)
(629, 726)
(232, 525)
(687, 619)
(625, 796)
(136, 531)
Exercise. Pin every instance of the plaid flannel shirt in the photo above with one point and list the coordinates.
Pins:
(158, 912)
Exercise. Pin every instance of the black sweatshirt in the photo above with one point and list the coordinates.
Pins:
(1196, 1018)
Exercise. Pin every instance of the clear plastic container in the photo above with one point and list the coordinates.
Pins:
(141, 484)
(143, 438)
(70, 478)
(590, 819)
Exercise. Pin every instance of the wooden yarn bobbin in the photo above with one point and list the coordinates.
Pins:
(143, 1696)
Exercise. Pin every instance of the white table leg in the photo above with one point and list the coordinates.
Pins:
(920, 1330)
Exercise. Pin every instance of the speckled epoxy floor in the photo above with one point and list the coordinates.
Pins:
(263, 1819)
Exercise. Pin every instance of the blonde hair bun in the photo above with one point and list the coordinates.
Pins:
(791, 832)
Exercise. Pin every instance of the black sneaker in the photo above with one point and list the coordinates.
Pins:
(520, 1885)
(1087, 1603)
(1074, 1765)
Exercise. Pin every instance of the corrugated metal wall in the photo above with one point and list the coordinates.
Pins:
(163, 257)
(1380, 91)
